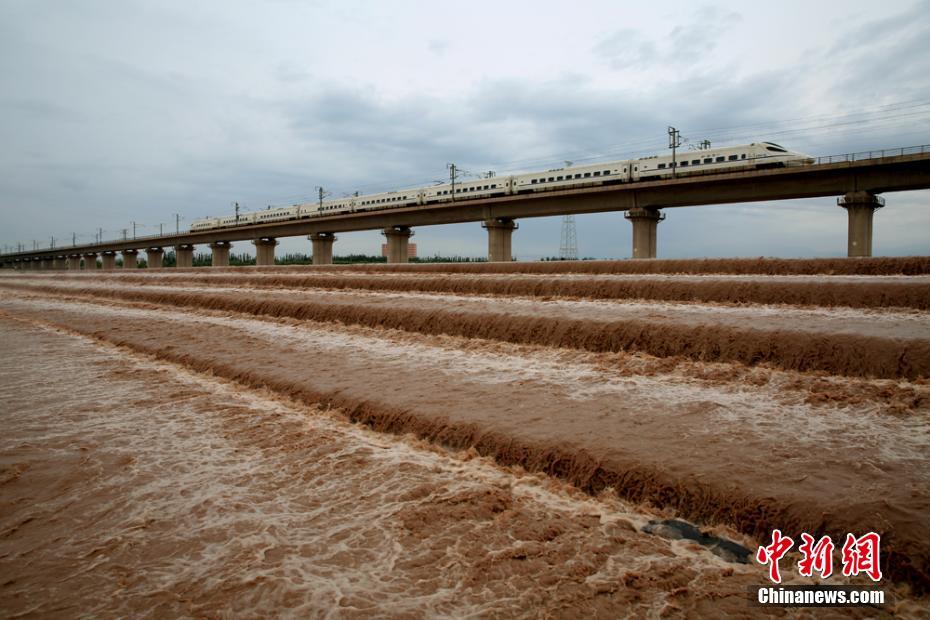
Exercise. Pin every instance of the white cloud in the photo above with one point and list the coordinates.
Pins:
(132, 111)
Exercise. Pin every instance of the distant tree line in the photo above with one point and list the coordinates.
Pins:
(202, 259)
(240, 260)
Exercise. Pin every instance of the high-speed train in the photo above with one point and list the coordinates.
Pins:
(726, 159)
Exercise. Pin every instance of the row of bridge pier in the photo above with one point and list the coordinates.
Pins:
(860, 207)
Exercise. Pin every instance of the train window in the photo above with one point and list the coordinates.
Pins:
(533, 181)
(597, 173)
(587, 175)
(695, 162)
(494, 186)
(684, 163)
(708, 160)
(721, 158)
(636, 169)
(743, 156)
(558, 178)
(551, 179)
(661, 166)
(606, 172)
(733, 157)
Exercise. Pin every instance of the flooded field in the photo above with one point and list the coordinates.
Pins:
(458, 441)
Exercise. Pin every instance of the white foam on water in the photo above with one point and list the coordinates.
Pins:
(881, 322)
(734, 408)
(179, 494)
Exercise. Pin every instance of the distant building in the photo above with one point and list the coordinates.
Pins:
(411, 250)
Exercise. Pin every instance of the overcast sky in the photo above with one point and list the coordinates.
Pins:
(120, 111)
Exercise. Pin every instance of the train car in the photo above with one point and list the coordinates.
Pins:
(482, 188)
(575, 176)
(387, 200)
(334, 207)
(758, 155)
(232, 220)
(205, 223)
(270, 214)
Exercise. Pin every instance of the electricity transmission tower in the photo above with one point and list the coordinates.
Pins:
(568, 248)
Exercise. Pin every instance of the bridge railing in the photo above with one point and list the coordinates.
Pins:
(863, 155)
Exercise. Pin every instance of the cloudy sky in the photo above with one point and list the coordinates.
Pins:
(121, 111)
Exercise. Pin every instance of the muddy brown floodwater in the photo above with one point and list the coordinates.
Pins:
(457, 442)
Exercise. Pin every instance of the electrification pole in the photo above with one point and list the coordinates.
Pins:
(453, 175)
(674, 141)
(321, 194)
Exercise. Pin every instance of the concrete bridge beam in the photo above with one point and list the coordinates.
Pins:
(264, 251)
(322, 248)
(220, 257)
(500, 232)
(154, 257)
(90, 260)
(184, 255)
(645, 224)
(130, 259)
(398, 239)
(860, 208)
(109, 260)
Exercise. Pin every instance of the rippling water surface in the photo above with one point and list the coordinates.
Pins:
(160, 461)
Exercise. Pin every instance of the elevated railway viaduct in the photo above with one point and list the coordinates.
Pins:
(856, 181)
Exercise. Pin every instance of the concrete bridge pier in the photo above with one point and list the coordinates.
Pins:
(45, 264)
(264, 251)
(645, 223)
(500, 232)
(90, 260)
(220, 257)
(398, 238)
(322, 248)
(153, 257)
(74, 262)
(860, 207)
(130, 259)
(60, 263)
(108, 258)
(184, 255)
